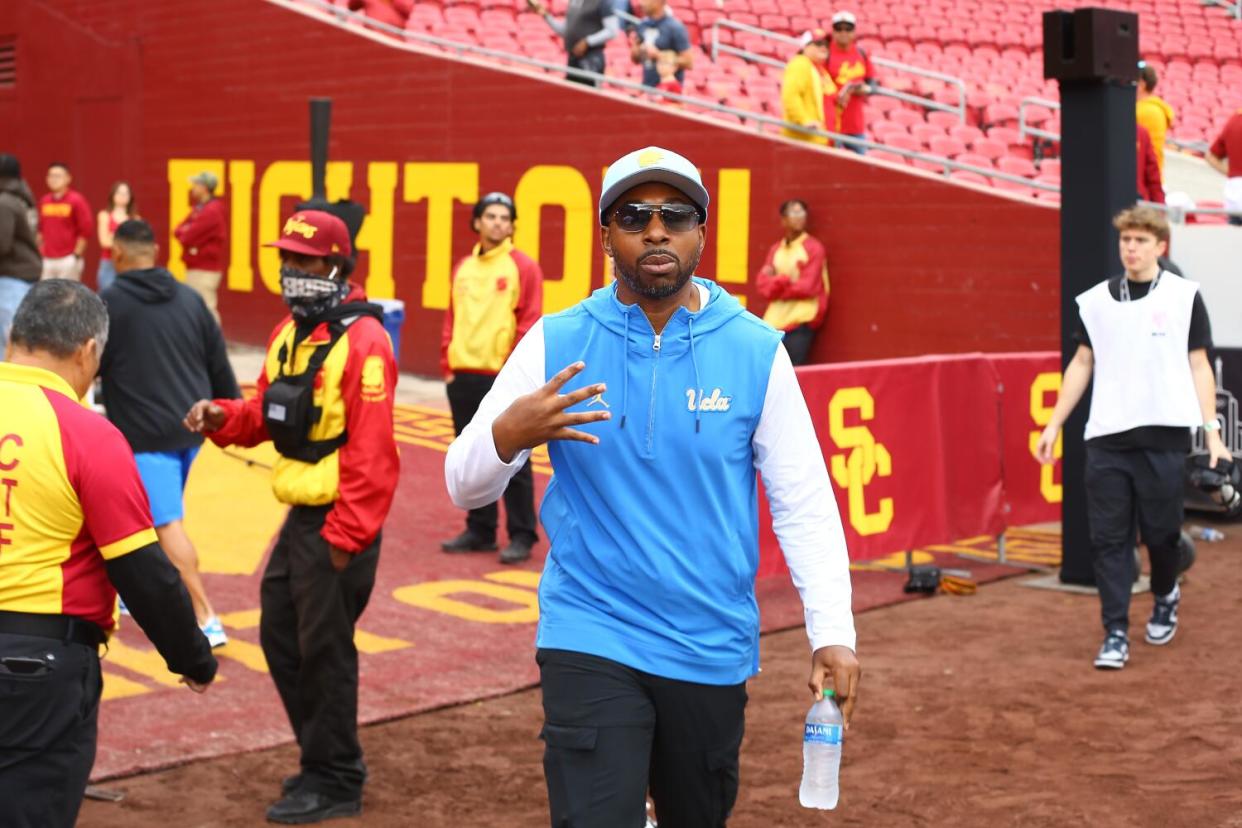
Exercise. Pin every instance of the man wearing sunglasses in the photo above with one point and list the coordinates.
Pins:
(851, 71)
(659, 396)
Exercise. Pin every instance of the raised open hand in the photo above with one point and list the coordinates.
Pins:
(541, 416)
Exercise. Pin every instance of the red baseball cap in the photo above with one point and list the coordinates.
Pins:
(314, 233)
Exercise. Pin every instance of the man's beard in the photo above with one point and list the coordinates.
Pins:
(656, 291)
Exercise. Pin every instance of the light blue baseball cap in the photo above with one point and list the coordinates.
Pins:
(652, 164)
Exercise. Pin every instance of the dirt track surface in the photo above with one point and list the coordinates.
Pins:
(976, 711)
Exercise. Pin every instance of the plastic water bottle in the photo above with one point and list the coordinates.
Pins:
(821, 754)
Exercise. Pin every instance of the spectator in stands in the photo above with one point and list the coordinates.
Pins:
(497, 295)
(20, 262)
(656, 32)
(804, 88)
(1153, 383)
(64, 225)
(1152, 112)
(1149, 185)
(120, 209)
(1225, 156)
(587, 26)
(201, 234)
(850, 68)
(794, 280)
(666, 65)
(165, 353)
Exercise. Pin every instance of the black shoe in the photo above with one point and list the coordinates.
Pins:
(305, 807)
(516, 552)
(468, 541)
(290, 784)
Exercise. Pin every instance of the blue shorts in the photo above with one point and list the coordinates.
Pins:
(163, 475)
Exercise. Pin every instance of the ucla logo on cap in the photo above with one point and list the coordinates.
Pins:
(650, 157)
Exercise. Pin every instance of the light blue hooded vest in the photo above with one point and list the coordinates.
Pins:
(654, 531)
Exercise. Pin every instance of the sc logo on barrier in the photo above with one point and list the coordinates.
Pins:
(1041, 414)
(861, 460)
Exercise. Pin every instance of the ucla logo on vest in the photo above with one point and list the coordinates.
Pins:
(703, 402)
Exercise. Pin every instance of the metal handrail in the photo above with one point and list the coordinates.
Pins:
(1234, 9)
(1024, 130)
(1200, 147)
(335, 14)
(927, 103)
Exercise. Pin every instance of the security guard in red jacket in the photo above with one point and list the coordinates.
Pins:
(75, 530)
(325, 399)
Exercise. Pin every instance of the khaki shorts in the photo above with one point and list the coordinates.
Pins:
(207, 285)
(66, 267)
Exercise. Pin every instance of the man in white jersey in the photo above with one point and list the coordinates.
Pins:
(1134, 334)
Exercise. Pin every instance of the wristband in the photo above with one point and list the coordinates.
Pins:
(1211, 425)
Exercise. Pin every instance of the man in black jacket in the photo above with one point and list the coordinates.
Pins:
(20, 261)
(166, 352)
(74, 531)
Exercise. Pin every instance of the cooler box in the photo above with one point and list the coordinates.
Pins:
(394, 318)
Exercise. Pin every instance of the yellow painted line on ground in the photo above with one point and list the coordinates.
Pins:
(517, 577)
(146, 663)
(243, 652)
(119, 687)
(242, 619)
(370, 643)
(231, 513)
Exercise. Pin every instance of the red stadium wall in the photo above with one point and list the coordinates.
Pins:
(153, 92)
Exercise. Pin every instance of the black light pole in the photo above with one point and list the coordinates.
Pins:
(1093, 54)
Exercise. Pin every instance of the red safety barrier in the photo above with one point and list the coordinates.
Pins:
(930, 450)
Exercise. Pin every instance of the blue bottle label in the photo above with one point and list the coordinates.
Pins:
(824, 734)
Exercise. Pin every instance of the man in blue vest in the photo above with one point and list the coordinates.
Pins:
(659, 396)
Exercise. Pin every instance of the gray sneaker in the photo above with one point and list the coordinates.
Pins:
(1163, 622)
(1114, 652)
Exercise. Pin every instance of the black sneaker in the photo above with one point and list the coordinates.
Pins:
(1163, 622)
(468, 541)
(516, 552)
(306, 807)
(1114, 652)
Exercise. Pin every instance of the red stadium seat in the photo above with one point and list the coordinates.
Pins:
(970, 177)
(975, 160)
(891, 157)
(1016, 166)
(907, 117)
(946, 146)
(946, 120)
(989, 148)
(926, 132)
(966, 133)
(1050, 166)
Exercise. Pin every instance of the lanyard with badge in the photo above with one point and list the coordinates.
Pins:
(1124, 290)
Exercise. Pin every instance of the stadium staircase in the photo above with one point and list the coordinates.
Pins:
(992, 46)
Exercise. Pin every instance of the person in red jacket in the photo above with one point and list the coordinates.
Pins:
(1149, 186)
(65, 225)
(202, 238)
(794, 280)
(325, 399)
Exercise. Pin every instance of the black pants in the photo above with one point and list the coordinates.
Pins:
(307, 632)
(592, 61)
(49, 710)
(1122, 486)
(465, 393)
(798, 343)
(611, 732)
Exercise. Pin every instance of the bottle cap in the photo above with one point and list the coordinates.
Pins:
(828, 694)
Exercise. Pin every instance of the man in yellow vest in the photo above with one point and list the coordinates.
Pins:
(497, 295)
(804, 86)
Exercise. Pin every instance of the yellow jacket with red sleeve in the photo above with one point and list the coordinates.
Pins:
(795, 281)
(354, 391)
(496, 297)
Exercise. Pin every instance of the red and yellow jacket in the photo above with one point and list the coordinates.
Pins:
(496, 297)
(70, 500)
(354, 389)
(794, 280)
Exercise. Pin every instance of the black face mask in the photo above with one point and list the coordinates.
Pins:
(308, 295)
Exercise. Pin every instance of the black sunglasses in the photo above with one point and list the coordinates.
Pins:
(843, 27)
(677, 218)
